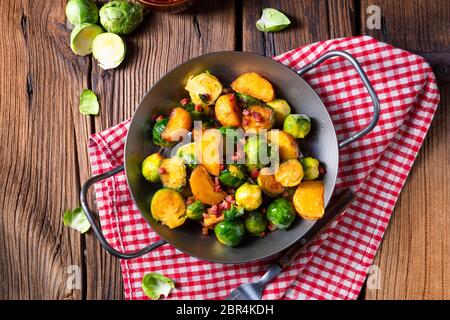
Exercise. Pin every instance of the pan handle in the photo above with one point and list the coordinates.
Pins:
(97, 231)
(365, 80)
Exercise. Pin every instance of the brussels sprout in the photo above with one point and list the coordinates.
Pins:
(82, 36)
(281, 213)
(253, 148)
(172, 173)
(248, 196)
(204, 88)
(281, 109)
(158, 129)
(81, 11)
(232, 176)
(233, 213)
(310, 168)
(255, 223)
(121, 17)
(187, 154)
(297, 125)
(109, 50)
(230, 233)
(150, 167)
(270, 186)
(168, 207)
(195, 210)
(247, 101)
(289, 173)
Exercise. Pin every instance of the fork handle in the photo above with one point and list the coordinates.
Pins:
(339, 205)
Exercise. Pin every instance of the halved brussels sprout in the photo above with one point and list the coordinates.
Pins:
(281, 213)
(248, 196)
(232, 176)
(195, 210)
(256, 118)
(158, 129)
(121, 17)
(254, 85)
(297, 125)
(82, 36)
(281, 109)
(168, 207)
(109, 50)
(81, 11)
(309, 200)
(255, 223)
(227, 111)
(179, 124)
(255, 147)
(270, 186)
(310, 168)
(150, 167)
(233, 213)
(289, 173)
(172, 173)
(204, 88)
(230, 232)
(187, 154)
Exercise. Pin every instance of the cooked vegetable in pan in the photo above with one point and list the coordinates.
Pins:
(265, 181)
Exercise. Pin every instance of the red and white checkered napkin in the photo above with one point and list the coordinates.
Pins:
(335, 265)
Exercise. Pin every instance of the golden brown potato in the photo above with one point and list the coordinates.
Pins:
(287, 146)
(256, 118)
(211, 220)
(227, 111)
(202, 187)
(172, 173)
(289, 173)
(308, 200)
(179, 123)
(211, 151)
(254, 85)
(270, 186)
(168, 207)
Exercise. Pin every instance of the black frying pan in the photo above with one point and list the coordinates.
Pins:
(322, 143)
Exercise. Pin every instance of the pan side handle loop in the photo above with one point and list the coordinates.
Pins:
(366, 82)
(95, 227)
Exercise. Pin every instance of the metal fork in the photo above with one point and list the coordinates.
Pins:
(254, 290)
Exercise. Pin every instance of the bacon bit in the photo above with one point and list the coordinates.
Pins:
(198, 107)
(162, 170)
(322, 170)
(285, 194)
(205, 215)
(244, 121)
(217, 188)
(263, 210)
(185, 101)
(231, 191)
(190, 200)
(254, 174)
(205, 231)
(245, 112)
(271, 227)
(159, 118)
(232, 97)
(230, 198)
(262, 234)
(222, 166)
(257, 116)
(224, 205)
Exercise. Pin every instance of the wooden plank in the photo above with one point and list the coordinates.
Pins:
(162, 42)
(39, 81)
(413, 258)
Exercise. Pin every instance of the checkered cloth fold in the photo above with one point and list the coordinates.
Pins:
(335, 265)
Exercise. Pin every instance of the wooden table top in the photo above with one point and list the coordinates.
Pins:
(44, 157)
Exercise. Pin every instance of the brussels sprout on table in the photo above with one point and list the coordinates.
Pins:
(297, 125)
(195, 210)
(233, 213)
(187, 154)
(81, 11)
(230, 232)
(89, 103)
(310, 168)
(121, 17)
(254, 152)
(255, 223)
(82, 37)
(158, 129)
(109, 50)
(233, 176)
(204, 88)
(281, 213)
(281, 109)
(150, 167)
(272, 20)
(248, 196)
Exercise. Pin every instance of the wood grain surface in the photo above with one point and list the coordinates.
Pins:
(44, 137)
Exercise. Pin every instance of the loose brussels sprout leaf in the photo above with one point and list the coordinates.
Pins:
(195, 210)
(89, 103)
(76, 219)
(81, 11)
(82, 36)
(156, 285)
(109, 50)
(121, 17)
(230, 232)
(272, 20)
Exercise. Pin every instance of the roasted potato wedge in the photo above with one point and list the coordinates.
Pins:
(204, 88)
(228, 111)
(308, 200)
(179, 123)
(254, 85)
(289, 173)
(270, 186)
(287, 146)
(172, 173)
(168, 207)
(256, 118)
(211, 151)
(202, 187)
